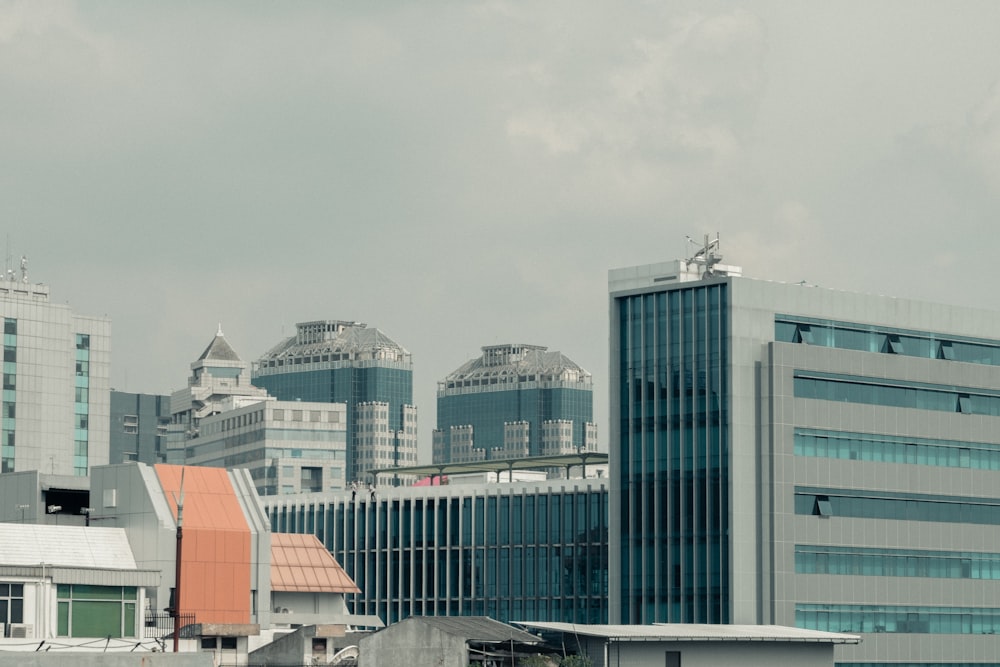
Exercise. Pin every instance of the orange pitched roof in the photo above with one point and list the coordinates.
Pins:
(209, 498)
(302, 563)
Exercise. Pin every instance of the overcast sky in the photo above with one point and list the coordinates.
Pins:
(461, 174)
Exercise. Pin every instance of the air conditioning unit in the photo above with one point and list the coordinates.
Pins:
(21, 631)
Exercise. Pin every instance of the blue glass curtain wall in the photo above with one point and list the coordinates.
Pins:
(896, 449)
(876, 562)
(512, 556)
(885, 340)
(866, 504)
(896, 393)
(673, 455)
(904, 619)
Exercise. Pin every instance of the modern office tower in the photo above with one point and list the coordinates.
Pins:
(801, 456)
(515, 400)
(518, 551)
(346, 362)
(56, 367)
(138, 429)
(221, 420)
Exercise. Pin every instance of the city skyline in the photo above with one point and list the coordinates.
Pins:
(461, 176)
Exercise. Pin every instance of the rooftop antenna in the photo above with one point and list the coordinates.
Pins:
(707, 255)
(24, 269)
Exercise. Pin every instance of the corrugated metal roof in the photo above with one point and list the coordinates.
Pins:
(67, 546)
(698, 632)
(477, 629)
(302, 563)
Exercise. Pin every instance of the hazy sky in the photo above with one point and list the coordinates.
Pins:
(461, 174)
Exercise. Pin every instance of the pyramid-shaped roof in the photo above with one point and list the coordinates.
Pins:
(219, 350)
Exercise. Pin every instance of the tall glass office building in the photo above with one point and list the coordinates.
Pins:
(519, 551)
(515, 400)
(346, 362)
(806, 457)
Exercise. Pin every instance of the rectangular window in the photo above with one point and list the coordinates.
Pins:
(96, 611)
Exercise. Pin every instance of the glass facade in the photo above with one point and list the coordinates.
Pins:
(507, 552)
(350, 385)
(869, 504)
(8, 425)
(875, 562)
(885, 340)
(896, 393)
(532, 402)
(896, 449)
(673, 455)
(81, 406)
(905, 619)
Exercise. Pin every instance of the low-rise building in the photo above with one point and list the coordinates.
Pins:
(67, 586)
(694, 644)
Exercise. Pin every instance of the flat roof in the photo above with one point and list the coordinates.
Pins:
(697, 632)
(499, 465)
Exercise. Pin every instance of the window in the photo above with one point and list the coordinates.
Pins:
(11, 603)
(96, 611)
(823, 507)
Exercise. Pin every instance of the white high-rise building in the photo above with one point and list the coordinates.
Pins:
(56, 396)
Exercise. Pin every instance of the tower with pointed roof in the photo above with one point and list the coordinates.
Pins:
(337, 361)
(515, 400)
(219, 380)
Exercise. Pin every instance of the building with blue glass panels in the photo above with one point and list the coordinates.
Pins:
(515, 400)
(519, 551)
(800, 456)
(346, 362)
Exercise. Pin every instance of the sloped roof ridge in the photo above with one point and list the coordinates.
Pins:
(219, 350)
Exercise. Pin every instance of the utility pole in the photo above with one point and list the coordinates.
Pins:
(177, 565)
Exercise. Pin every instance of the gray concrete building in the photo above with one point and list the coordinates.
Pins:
(138, 429)
(56, 366)
(785, 454)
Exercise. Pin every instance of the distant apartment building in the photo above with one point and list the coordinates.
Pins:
(56, 395)
(515, 400)
(221, 420)
(346, 362)
(138, 429)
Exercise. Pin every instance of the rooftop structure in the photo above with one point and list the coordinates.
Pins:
(514, 400)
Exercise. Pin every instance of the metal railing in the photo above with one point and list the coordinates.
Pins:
(159, 626)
